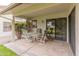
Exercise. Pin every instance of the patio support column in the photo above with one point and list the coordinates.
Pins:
(67, 30)
(13, 28)
(77, 29)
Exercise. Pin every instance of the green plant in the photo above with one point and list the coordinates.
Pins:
(49, 31)
(18, 28)
(29, 26)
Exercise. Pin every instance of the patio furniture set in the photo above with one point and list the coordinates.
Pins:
(35, 35)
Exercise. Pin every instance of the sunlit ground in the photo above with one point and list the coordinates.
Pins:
(6, 52)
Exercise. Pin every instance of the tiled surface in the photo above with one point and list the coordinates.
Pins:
(19, 46)
(51, 48)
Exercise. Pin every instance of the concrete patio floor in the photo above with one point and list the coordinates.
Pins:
(5, 39)
(51, 48)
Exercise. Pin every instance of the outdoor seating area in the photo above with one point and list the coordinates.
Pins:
(35, 35)
(39, 29)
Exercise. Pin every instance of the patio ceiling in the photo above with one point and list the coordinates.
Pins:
(37, 9)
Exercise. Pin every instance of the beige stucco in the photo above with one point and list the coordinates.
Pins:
(2, 20)
(41, 20)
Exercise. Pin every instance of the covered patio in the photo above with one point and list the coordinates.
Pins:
(57, 45)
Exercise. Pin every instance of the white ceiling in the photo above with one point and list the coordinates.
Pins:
(36, 9)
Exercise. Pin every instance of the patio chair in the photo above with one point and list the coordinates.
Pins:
(31, 35)
(41, 36)
(24, 34)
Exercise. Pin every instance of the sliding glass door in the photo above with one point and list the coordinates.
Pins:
(57, 28)
(61, 27)
(72, 30)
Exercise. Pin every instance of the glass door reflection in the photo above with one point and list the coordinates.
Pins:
(57, 28)
(51, 28)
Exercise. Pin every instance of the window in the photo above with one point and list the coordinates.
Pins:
(6, 26)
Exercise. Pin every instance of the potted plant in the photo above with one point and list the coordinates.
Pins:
(29, 26)
(18, 29)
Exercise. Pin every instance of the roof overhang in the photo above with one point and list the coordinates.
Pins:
(37, 9)
(9, 7)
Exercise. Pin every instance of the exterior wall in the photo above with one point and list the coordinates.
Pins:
(8, 18)
(41, 20)
(2, 20)
(18, 19)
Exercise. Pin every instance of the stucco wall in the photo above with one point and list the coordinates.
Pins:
(41, 20)
(8, 18)
(2, 19)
